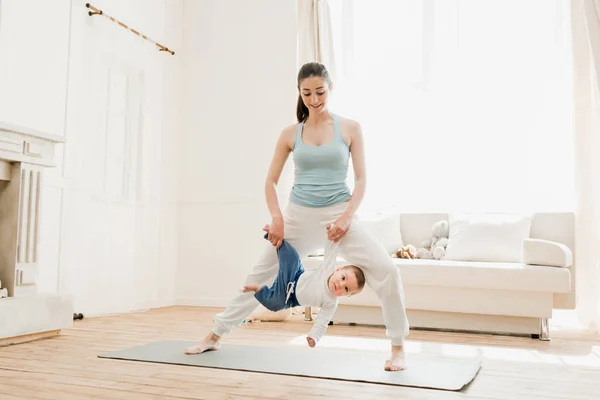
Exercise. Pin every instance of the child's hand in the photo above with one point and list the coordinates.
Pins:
(311, 341)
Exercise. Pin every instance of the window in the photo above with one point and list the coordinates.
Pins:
(465, 105)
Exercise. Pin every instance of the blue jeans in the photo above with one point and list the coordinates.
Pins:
(281, 294)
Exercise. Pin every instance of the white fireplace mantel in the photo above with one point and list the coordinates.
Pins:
(24, 154)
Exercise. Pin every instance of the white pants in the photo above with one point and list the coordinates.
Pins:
(305, 229)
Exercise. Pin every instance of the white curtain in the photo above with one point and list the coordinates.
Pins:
(586, 48)
(314, 34)
(464, 104)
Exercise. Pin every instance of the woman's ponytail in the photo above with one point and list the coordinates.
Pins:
(301, 110)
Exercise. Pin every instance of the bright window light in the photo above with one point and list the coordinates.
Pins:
(465, 105)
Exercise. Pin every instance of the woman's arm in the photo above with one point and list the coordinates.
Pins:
(357, 150)
(280, 156)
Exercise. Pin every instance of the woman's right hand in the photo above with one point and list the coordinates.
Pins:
(275, 231)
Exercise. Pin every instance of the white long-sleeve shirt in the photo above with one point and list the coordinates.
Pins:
(313, 290)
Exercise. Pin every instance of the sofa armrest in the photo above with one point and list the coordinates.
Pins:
(546, 252)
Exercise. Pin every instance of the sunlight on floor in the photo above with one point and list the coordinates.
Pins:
(591, 358)
(344, 342)
(565, 320)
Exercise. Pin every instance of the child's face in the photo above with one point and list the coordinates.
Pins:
(343, 282)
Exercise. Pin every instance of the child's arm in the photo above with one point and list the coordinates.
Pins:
(321, 322)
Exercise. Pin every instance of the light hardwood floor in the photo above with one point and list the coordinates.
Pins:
(67, 366)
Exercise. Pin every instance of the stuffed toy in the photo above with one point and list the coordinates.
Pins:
(261, 314)
(264, 315)
(435, 248)
(409, 251)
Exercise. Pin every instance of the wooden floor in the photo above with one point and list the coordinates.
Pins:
(67, 366)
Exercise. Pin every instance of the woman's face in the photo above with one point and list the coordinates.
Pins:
(315, 93)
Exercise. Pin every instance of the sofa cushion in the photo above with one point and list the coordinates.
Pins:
(485, 275)
(385, 226)
(476, 274)
(487, 237)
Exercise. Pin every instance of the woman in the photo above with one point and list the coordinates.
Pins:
(322, 144)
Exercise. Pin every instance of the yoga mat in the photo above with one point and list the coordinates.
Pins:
(444, 373)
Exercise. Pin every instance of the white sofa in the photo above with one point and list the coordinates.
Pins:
(514, 297)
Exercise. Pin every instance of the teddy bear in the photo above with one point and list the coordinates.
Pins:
(262, 314)
(436, 246)
(409, 251)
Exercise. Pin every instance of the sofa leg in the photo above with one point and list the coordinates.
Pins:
(308, 313)
(544, 329)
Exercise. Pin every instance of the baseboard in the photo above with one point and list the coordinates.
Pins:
(219, 302)
(147, 306)
(28, 338)
(162, 303)
(434, 320)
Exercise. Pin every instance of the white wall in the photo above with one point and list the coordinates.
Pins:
(34, 52)
(34, 45)
(108, 228)
(239, 93)
(159, 211)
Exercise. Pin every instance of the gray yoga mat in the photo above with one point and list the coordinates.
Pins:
(443, 373)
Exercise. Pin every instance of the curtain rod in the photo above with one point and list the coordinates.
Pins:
(100, 12)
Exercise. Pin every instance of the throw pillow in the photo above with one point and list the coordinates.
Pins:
(487, 237)
(386, 229)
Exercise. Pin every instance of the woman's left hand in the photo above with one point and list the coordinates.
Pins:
(338, 229)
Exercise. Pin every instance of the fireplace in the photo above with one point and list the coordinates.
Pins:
(25, 314)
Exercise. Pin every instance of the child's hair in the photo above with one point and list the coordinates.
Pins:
(360, 276)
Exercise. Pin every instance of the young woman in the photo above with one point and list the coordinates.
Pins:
(322, 143)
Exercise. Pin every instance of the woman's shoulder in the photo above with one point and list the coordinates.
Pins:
(289, 132)
(288, 135)
(290, 129)
(349, 123)
(352, 127)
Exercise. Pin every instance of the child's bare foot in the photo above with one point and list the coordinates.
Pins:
(397, 361)
(210, 342)
(251, 288)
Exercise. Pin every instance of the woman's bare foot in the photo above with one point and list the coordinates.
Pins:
(210, 342)
(251, 288)
(397, 361)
